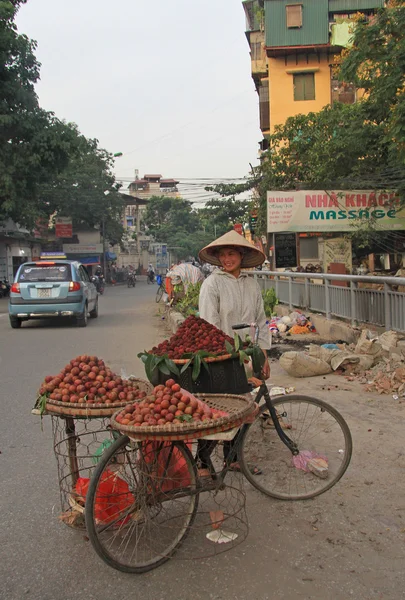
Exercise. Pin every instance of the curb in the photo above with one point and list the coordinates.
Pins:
(174, 319)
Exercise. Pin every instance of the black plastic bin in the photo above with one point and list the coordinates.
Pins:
(225, 376)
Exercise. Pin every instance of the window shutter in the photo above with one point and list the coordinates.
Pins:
(299, 91)
(294, 15)
(309, 83)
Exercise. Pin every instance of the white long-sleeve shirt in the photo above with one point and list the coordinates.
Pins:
(226, 300)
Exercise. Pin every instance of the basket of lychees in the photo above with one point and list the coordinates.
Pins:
(172, 413)
(200, 358)
(87, 387)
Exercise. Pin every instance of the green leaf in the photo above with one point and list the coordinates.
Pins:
(242, 357)
(186, 366)
(164, 368)
(228, 347)
(148, 366)
(172, 366)
(258, 360)
(206, 367)
(196, 367)
(143, 356)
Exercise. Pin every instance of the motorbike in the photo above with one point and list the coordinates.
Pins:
(131, 279)
(151, 277)
(99, 283)
(4, 288)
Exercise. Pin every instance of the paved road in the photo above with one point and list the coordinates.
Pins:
(346, 544)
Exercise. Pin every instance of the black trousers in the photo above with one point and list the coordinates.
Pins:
(206, 447)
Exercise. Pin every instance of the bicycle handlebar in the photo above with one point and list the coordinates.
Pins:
(241, 326)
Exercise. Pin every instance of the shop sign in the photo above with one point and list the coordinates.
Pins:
(238, 228)
(333, 210)
(82, 248)
(63, 227)
(285, 250)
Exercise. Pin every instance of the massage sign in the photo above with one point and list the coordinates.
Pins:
(332, 210)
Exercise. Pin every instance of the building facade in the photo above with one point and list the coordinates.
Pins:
(293, 46)
(140, 251)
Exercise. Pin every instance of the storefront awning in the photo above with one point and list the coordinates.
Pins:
(88, 260)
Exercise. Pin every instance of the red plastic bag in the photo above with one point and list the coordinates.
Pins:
(112, 498)
(168, 467)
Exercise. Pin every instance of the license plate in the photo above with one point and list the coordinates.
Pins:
(44, 293)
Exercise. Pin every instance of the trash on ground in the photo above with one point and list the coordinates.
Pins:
(294, 323)
(378, 362)
(219, 536)
(310, 461)
(299, 364)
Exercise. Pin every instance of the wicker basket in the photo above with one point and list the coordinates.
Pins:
(238, 408)
(225, 375)
(87, 410)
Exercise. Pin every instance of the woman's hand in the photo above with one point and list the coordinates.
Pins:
(266, 366)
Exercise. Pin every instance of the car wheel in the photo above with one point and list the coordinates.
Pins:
(94, 312)
(82, 320)
(15, 322)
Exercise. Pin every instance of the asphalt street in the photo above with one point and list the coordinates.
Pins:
(341, 545)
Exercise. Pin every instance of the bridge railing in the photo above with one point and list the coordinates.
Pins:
(352, 299)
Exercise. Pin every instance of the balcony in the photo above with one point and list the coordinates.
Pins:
(258, 53)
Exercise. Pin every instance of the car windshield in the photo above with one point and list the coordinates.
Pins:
(57, 272)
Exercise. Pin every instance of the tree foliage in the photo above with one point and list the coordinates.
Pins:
(174, 222)
(46, 165)
(86, 190)
(376, 63)
(34, 144)
(220, 215)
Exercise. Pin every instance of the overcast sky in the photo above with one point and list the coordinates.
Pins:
(166, 83)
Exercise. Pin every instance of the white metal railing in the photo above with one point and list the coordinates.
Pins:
(316, 292)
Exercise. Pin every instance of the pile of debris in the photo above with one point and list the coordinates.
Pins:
(378, 362)
(295, 323)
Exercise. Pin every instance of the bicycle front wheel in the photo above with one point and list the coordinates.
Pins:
(322, 437)
(159, 294)
(141, 502)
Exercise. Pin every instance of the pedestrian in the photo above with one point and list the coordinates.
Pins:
(230, 297)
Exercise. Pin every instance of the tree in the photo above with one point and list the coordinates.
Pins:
(376, 63)
(86, 190)
(34, 144)
(174, 222)
(219, 216)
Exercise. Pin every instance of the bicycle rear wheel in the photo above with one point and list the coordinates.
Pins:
(159, 294)
(141, 502)
(319, 431)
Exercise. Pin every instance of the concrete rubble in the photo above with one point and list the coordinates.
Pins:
(379, 362)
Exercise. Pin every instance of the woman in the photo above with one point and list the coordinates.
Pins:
(230, 297)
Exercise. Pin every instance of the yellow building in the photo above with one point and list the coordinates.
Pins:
(293, 48)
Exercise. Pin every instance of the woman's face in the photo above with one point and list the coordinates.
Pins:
(230, 260)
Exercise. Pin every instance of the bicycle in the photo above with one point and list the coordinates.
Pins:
(161, 289)
(154, 513)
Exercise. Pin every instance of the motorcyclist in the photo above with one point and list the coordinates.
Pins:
(151, 272)
(99, 275)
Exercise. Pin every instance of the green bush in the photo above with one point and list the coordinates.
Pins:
(189, 304)
(270, 300)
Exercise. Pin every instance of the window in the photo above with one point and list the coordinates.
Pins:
(309, 248)
(304, 86)
(45, 272)
(83, 275)
(264, 105)
(294, 15)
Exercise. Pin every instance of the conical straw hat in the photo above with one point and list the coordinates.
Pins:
(252, 256)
